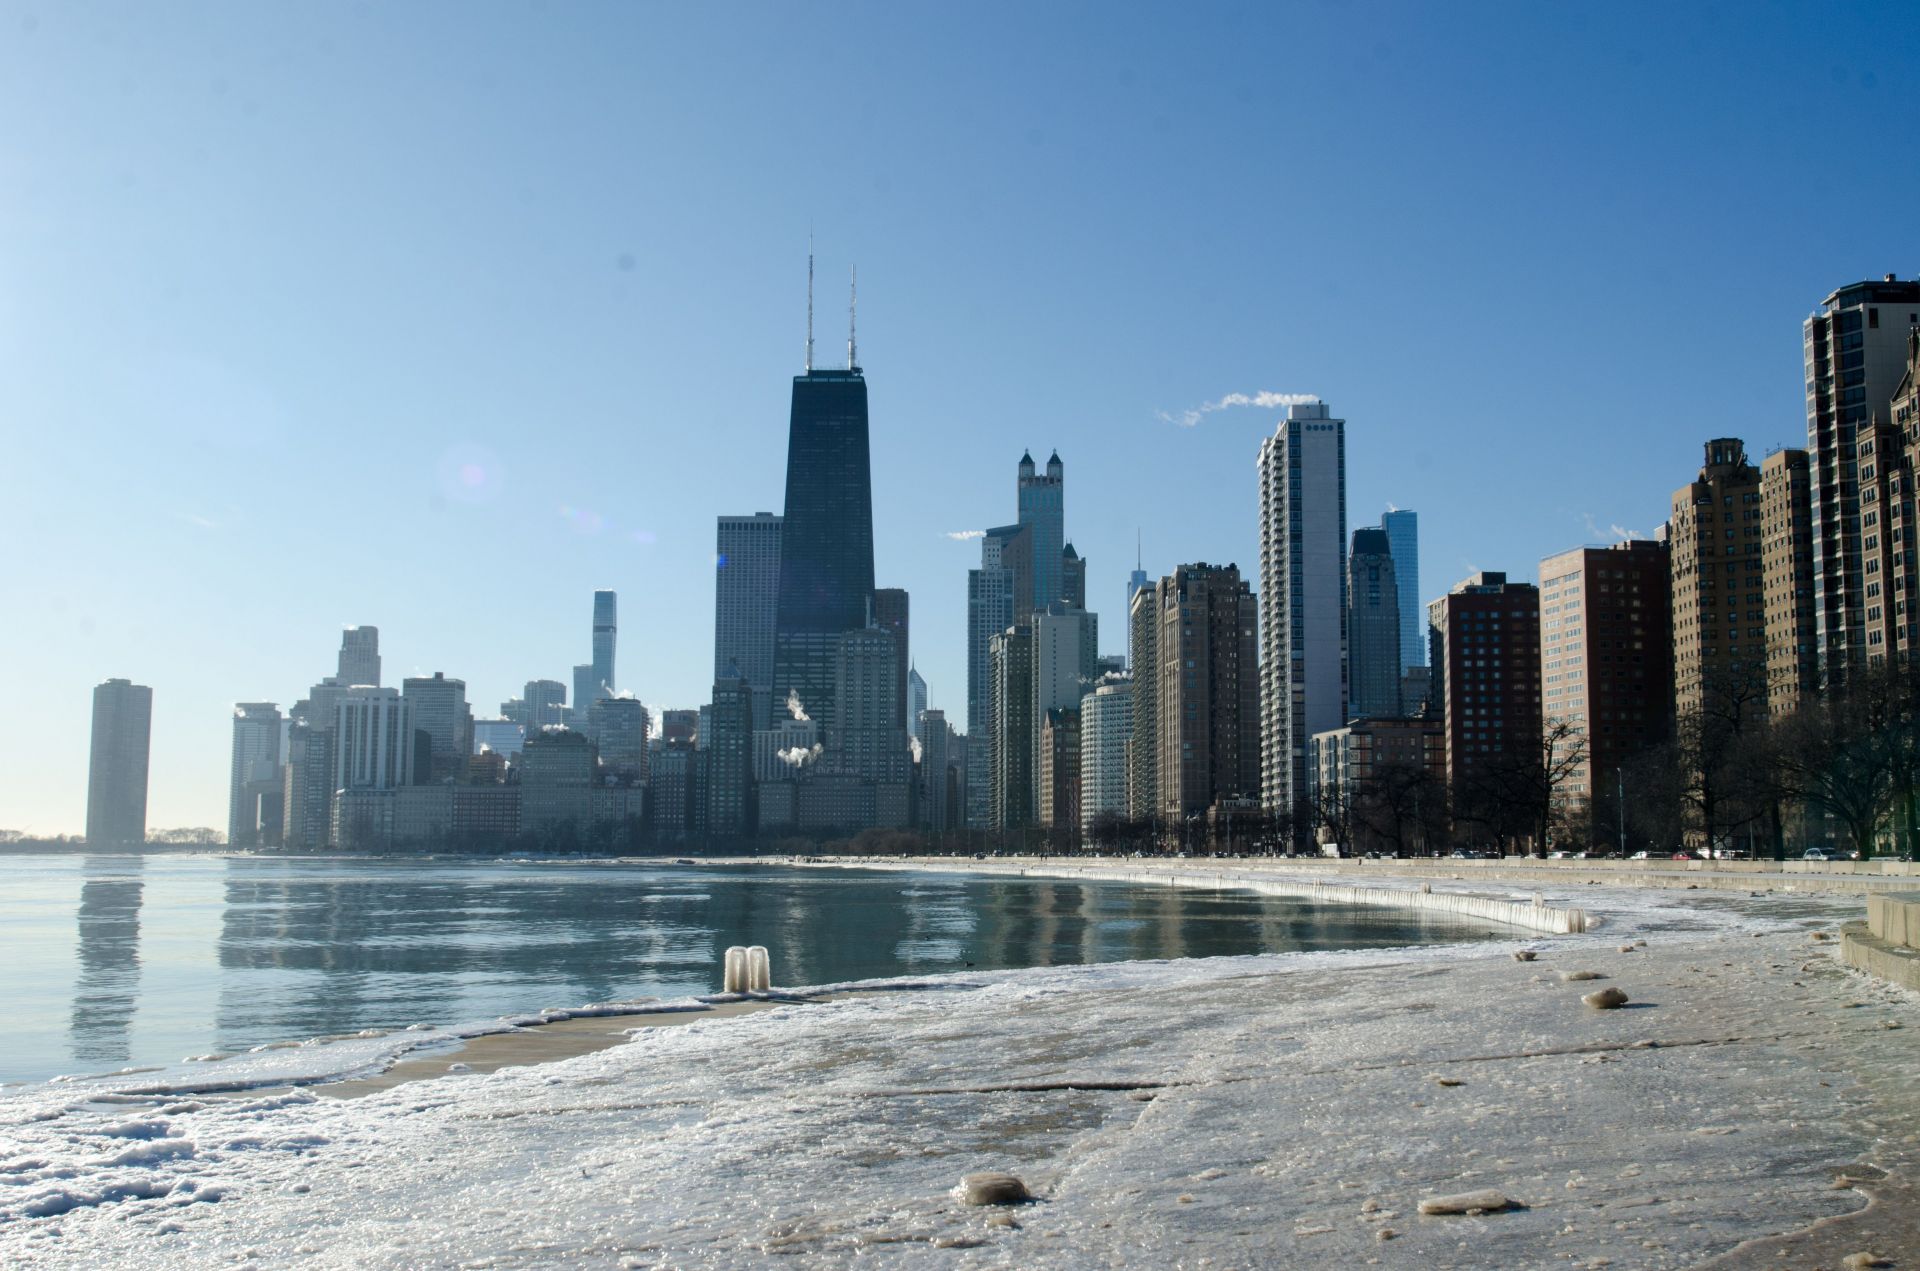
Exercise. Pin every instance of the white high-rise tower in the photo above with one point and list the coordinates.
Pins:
(1303, 595)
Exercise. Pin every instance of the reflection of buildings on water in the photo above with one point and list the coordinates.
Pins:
(108, 983)
(328, 948)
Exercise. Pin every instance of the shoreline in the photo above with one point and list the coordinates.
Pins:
(1266, 1110)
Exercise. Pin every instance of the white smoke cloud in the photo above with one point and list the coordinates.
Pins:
(961, 536)
(794, 708)
(800, 756)
(913, 744)
(1264, 399)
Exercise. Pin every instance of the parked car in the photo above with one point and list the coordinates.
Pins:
(1643, 855)
(1819, 854)
(1682, 856)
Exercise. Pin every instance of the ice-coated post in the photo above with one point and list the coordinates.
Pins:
(759, 970)
(734, 979)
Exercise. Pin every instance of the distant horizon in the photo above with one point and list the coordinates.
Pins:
(437, 320)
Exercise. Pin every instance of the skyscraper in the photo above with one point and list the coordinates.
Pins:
(1855, 356)
(1403, 536)
(1606, 663)
(1207, 690)
(1137, 582)
(1143, 747)
(1719, 601)
(1486, 669)
(359, 656)
(1373, 627)
(746, 600)
(728, 743)
(1043, 513)
(917, 703)
(1303, 586)
(605, 629)
(1073, 577)
(1010, 744)
(440, 710)
(1786, 557)
(618, 726)
(890, 614)
(255, 769)
(373, 741)
(1106, 725)
(826, 538)
(117, 767)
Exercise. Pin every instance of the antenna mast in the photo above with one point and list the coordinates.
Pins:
(853, 303)
(809, 304)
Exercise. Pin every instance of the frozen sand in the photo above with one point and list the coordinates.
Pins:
(1249, 1112)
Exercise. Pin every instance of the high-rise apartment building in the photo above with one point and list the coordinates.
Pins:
(1719, 606)
(991, 605)
(557, 771)
(1143, 747)
(1207, 683)
(826, 539)
(255, 770)
(1855, 349)
(1303, 585)
(542, 704)
(1894, 614)
(916, 702)
(1485, 645)
(1606, 662)
(606, 629)
(1403, 538)
(1106, 726)
(117, 765)
(729, 747)
(1073, 578)
(306, 807)
(618, 726)
(1010, 745)
(1043, 513)
(440, 711)
(867, 738)
(1788, 588)
(938, 789)
(373, 740)
(359, 656)
(1373, 627)
(891, 614)
(1057, 784)
(746, 599)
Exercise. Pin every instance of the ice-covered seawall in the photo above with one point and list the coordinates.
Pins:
(1534, 915)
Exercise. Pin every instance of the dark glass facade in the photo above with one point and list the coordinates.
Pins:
(826, 544)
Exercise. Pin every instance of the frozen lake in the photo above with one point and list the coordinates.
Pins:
(125, 960)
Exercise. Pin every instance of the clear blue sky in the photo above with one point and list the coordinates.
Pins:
(271, 275)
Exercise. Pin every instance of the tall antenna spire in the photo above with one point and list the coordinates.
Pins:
(853, 303)
(1136, 547)
(809, 304)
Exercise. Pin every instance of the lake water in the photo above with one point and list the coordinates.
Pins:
(113, 961)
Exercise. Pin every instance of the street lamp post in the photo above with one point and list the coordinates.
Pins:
(1620, 784)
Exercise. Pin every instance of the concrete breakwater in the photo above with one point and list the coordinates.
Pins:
(1528, 916)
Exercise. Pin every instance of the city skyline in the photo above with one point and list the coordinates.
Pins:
(206, 428)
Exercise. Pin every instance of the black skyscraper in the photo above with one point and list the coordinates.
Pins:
(826, 544)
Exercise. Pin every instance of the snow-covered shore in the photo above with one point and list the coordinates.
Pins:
(1245, 1112)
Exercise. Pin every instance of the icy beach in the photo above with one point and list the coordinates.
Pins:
(1268, 1111)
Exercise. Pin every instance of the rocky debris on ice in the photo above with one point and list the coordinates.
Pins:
(991, 1187)
(1608, 999)
(1525, 955)
(1863, 1259)
(1487, 1200)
